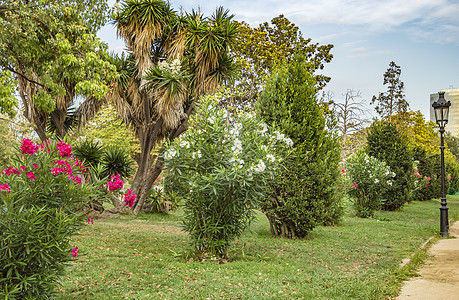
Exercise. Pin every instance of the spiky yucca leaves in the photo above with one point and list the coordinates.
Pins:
(139, 23)
(210, 39)
(89, 152)
(156, 101)
(116, 161)
(169, 83)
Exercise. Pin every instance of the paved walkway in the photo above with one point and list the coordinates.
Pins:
(440, 273)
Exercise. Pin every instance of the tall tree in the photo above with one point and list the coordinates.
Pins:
(303, 194)
(174, 60)
(258, 50)
(55, 56)
(350, 114)
(393, 101)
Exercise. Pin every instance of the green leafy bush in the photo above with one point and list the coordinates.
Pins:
(369, 178)
(305, 193)
(222, 173)
(159, 201)
(41, 197)
(427, 172)
(387, 144)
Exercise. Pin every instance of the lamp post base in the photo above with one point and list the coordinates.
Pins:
(444, 226)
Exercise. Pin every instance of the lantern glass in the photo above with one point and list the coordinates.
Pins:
(441, 109)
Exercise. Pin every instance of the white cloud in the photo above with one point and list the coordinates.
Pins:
(430, 19)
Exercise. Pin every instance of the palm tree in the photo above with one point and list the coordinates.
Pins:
(173, 60)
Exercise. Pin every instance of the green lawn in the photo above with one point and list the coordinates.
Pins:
(133, 258)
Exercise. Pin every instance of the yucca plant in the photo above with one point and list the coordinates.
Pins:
(156, 102)
(89, 152)
(116, 161)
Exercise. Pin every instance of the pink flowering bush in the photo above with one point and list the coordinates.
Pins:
(41, 197)
(129, 198)
(116, 185)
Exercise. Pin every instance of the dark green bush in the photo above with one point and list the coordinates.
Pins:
(429, 169)
(35, 244)
(387, 144)
(117, 161)
(89, 152)
(304, 194)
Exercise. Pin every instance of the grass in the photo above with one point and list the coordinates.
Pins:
(133, 258)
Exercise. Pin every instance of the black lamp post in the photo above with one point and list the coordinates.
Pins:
(441, 108)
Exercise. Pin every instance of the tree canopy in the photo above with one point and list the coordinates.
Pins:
(52, 50)
(393, 101)
(258, 50)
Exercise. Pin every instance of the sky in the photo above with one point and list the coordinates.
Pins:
(421, 36)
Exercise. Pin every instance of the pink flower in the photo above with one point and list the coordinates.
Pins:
(31, 175)
(35, 166)
(75, 252)
(64, 149)
(5, 187)
(342, 171)
(116, 183)
(11, 170)
(90, 220)
(28, 147)
(45, 143)
(129, 198)
(428, 178)
(355, 185)
(22, 168)
(75, 179)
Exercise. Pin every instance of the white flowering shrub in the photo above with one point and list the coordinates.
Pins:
(221, 168)
(369, 178)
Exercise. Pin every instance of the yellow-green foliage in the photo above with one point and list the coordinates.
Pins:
(107, 127)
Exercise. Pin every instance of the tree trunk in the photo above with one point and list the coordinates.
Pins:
(41, 132)
(148, 182)
(58, 117)
(144, 186)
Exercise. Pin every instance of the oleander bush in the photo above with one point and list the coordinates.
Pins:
(222, 170)
(369, 178)
(41, 197)
(389, 145)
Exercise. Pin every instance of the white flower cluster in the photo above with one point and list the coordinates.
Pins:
(237, 148)
(170, 154)
(271, 158)
(197, 154)
(235, 130)
(260, 167)
(281, 137)
(185, 144)
(173, 67)
(238, 161)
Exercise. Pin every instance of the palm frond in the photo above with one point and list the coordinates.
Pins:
(70, 123)
(87, 110)
(139, 23)
(170, 89)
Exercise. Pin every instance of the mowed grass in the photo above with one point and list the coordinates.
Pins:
(133, 258)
